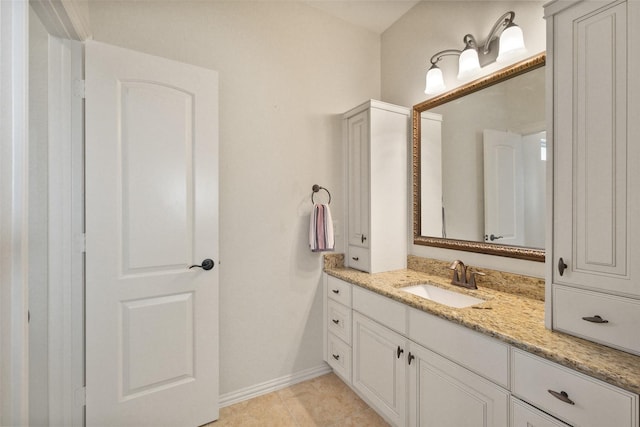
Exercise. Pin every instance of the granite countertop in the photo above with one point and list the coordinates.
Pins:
(514, 319)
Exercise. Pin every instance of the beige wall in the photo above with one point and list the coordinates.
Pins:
(286, 72)
(432, 26)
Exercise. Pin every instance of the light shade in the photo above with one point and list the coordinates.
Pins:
(511, 43)
(435, 81)
(468, 64)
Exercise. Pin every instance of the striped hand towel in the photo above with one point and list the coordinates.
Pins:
(321, 229)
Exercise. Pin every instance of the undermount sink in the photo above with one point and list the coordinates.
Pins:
(442, 296)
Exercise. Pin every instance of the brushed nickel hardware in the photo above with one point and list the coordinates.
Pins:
(595, 319)
(317, 188)
(399, 352)
(472, 278)
(561, 266)
(336, 356)
(562, 396)
(460, 278)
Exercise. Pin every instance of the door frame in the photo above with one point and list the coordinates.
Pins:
(66, 233)
(67, 20)
(14, 297)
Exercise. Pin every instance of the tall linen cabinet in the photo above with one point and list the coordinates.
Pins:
(593, 249)
(376, 138)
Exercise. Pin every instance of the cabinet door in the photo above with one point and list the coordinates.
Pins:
(596, 230)
(444, 394)
(379, 368)
(358, 178)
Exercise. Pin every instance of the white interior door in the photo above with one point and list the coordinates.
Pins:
(151, 212)
(503, 188)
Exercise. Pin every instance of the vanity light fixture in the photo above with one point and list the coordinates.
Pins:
(505, 41)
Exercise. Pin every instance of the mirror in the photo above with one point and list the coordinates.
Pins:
(479, 161)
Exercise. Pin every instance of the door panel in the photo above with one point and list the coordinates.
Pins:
(152, 211)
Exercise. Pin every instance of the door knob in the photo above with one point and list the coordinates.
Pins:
(207, 264)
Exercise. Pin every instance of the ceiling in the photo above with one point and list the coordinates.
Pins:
(375, 15)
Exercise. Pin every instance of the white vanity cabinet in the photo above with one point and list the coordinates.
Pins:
(417, 369)
(593, 50)
(376, 140)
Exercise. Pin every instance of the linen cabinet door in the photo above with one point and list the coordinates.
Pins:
(444, 394)
(379, 368)
(357, 128)
(596, 235)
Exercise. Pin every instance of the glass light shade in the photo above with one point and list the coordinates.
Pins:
(435, 81)
(511, 43)
(468, 64)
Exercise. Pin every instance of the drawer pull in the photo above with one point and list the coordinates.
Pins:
(561, 266)
(337, 322)
(410, 358)
(335, 291)
(362, 238)
(562, 396)
(399, 352)
(595, 319)
(336, 356)
(355, 258)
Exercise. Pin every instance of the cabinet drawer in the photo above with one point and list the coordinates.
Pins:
(622, 315)
(339, 357)
(339, 320)
(339, 290)
(595, 403)
(359, 258)
(383, 310)
(483, 355)
(523, 415)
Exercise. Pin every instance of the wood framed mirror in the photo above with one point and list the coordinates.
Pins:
(479, 160)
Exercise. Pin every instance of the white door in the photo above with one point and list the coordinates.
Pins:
(151, 212)
(503, 188)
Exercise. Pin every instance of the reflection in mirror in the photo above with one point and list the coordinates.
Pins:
(479, 165)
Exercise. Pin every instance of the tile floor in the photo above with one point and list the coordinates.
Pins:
(323, 401)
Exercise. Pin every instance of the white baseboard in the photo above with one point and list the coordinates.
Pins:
(247, 393)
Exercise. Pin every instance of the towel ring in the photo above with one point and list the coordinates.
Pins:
(317, 188)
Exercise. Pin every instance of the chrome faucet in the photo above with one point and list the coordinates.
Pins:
(460, 279)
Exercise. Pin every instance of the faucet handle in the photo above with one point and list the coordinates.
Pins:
(472, 279)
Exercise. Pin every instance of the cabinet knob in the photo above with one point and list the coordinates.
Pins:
(355, 258)
(561, 266)
(335, 291)
(336, 356)
(362, 238)
(562, 396)
(399, 352)
(337, 322)
(595, 319)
